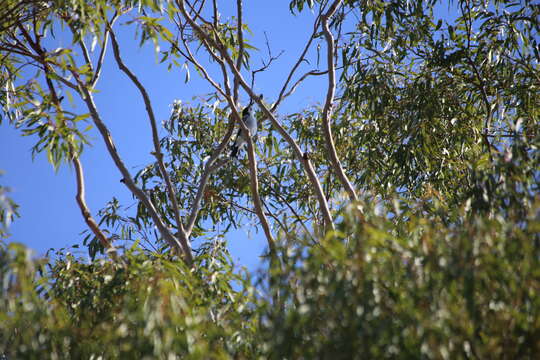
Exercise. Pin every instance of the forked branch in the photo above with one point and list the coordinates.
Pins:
(186, 248)
(127, 179)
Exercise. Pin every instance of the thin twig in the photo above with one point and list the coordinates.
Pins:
(265, 65)
(302, 78)
(298, 62)
(101, 57)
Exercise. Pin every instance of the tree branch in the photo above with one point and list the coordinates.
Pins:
(265, 65)
(240, 46)
(80, 197)
(101, 57)
(209, 168)
(92, 224)
(327, 110)
(254, 185)
(157, 149)
(189, 56)
(297, 64)
(302, 78)
(127, 179)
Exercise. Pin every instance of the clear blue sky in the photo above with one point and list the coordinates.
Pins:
(50, 217)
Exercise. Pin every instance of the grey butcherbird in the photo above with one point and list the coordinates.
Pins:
(249, 119)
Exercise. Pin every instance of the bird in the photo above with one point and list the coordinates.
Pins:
(249, 119)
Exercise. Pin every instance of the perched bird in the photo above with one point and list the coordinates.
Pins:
(248, 117)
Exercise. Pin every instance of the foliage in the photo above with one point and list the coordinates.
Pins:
(146, 307)
(402, 287)
(433, 118)
(430, 99)
(421, 289)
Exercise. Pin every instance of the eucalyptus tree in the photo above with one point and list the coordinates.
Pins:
(418, 97)
(402, 210)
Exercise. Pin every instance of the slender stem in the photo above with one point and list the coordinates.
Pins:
(302, 78)
(85, 53)
(240, 46)
(254, 184)
(86, 214)
(297, 64)
(327, 110)
(209, 168)
(103, 51)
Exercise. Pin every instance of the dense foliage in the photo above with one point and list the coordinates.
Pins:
(402, 214)
(376, 288)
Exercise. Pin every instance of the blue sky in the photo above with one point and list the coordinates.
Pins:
(50, 217)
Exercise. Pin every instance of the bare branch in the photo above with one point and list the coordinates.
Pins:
(240, 46)
(85, 53)
(327, 110)
(266, 65)
(157, 149)
(127, 179)
(196, 13)
(92, 224)
(215, 9)
(254, 185)
(298, 62)
(101, 57)
(302, 78)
